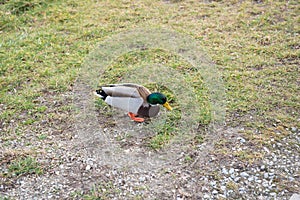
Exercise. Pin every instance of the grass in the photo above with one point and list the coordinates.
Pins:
(24, 166)
(255, 45)
(44, 48)
(101, 191)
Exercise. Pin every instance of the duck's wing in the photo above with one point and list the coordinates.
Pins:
(127, 90)
(143, 91)
(121, 91)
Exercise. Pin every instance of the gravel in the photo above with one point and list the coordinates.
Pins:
(275, 176)
(75, 165)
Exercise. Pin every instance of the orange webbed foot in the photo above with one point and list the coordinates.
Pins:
(134, 118)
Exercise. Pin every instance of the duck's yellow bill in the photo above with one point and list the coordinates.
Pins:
(167, 106)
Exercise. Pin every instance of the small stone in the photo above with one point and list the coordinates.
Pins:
(258, 181)
(206, 196)
(214, 192)
(244, 174)
(224, 171)
(230, 191)
(213, 183)
(121, 182)
(291, 179)
(265, 184)
(266, 175)
(231, 171)
(293, 129)
(250, 179)
(242, 190)
(266, 149)
(242, 140)
(271, 163)
(236, 179)
(279, 144)
(88, 167)
(286, 170)
(142, 179)
(273, 194)
(223, 187)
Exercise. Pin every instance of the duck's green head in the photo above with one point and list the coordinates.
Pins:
(158, 98)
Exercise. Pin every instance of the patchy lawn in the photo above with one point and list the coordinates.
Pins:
(43, 49)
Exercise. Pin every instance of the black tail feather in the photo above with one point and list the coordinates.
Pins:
(102, 94)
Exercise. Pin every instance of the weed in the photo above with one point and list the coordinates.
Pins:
(101, 191)
(24, 166)
(232, 186)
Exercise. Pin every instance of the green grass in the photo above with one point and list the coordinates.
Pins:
(5, 198)
(44, 42)
(101, 191)
(255, 46)
(24, 166)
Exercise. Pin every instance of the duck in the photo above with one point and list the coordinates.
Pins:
(136, 99)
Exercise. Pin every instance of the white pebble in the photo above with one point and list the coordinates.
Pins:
(273, 194)
(293, 129)
(214, 192)
(224, 171)
(142, 179)
(250, 179)
(242, 140)
(231, 171)
(265, 184)
(266, 175)
(244, 174)
(88, 167)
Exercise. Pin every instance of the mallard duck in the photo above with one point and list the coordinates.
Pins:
(137, 100)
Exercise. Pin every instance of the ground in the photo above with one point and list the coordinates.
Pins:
(58, 142)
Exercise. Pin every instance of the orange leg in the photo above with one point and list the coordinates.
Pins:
(134, 118)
